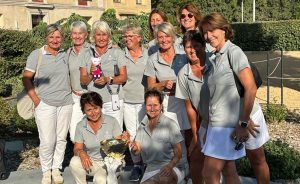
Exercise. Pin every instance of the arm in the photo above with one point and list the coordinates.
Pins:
(84, 157)
(135, 147)
(168, 169)
(85, 77)
(159, 85)
(27, 82)
(194, 122)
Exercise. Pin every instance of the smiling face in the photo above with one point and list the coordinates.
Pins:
(101, 38)
(155, 20)
(164, 41)
(153, 107)
(194, 50)
(78, 37)
(215, 37)
(54, 40)
(187, 20)
(92, 112)
(131, 39)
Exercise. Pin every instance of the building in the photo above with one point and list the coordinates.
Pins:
(25, 14)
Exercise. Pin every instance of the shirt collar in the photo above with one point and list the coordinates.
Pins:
(44, 52)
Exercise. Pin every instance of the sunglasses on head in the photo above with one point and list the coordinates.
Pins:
(190, 15)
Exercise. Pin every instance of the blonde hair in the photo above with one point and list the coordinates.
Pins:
(101, 26)
(167, 28)
(51, 28)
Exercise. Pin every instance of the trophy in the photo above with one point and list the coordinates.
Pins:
(114, 150)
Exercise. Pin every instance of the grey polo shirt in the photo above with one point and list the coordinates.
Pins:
(91, 140)
(134, 89)
(113, 56)
(159, 69)
(53, 81)
(153, 46)
(157, 148)
(74, 62)
(224, 104)
(188, 86)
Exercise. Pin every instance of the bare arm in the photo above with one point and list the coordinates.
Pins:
(85, 77)
(152, 83)
(27, 82)
(84, 157)
(135, 147)
(177, 154)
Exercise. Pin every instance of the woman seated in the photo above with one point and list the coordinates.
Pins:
(93, 128)
(158, 141)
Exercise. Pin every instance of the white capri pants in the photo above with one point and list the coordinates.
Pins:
(77, 116)
(107, 109)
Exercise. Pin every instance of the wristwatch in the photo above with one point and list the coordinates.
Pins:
(243, 124)
(111, 80)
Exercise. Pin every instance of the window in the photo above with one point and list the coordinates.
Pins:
(38, 1)
(138, 1)
(36, 19)
(82, 2)
(117, 1)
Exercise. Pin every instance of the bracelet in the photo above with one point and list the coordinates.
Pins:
(78, 152)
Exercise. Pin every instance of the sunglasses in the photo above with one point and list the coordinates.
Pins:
(239, 146)
(190, 15)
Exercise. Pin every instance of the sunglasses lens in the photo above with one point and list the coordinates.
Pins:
(190, 15)
(182, 16)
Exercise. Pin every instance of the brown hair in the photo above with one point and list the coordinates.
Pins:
(163, 16)
(218, 21)
(193, 9)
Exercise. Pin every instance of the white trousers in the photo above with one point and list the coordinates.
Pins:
(53, 126)
(133, 115)
(77, 116)
(107, 109)
(79, 173)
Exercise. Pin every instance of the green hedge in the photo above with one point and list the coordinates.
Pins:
(264, 36)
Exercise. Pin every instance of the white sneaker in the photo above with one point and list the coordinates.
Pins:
(57, 177)
(46, 177)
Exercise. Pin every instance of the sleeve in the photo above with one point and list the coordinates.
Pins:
(150, 69)
(181, 85)
(175, 135)
(138, 136)
(78, 133)
(120, 54)
(86, 62)
(239, 59)
(32, 61)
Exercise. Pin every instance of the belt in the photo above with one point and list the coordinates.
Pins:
(76, 93)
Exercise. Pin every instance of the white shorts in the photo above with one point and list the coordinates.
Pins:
(263, 136)
(220, 145)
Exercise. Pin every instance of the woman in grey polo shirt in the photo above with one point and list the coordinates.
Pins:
(76, 54)
(159, 140)
(136, 58)
(232, 119)
(189, 84)
(53, 101)
(111, 69)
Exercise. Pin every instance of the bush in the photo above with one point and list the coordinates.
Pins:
(275, 113)
(6, 114)
(283, 161)
(264, 36)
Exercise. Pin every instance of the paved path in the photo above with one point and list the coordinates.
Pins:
(35, 176)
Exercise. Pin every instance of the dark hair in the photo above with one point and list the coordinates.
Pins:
(163, 16)
(154, 93)
(193, 35)
(193, 9)
(217, 21)
(92, 98)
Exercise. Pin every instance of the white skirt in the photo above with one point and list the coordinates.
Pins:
(219, 144)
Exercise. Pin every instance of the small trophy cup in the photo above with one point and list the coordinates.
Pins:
(114, 150)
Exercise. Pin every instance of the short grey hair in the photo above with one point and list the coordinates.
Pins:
(51, 28)
(167, 28)
(80, 25)
(133, 28)
(101, 26)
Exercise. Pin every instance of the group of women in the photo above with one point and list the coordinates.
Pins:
(177, 98)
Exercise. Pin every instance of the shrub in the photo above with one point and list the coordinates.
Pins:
(283, 161)
(275, 113)
(6, 114)
(264, 36)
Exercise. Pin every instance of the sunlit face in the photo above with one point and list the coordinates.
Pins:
(164, 41)
(153, 107)
(187, 20)
(155, 20)
(54, 40)
(92, 112)
(131, 39)
(78, 37)
(215, 37)
(194, 50)
(101, 38)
